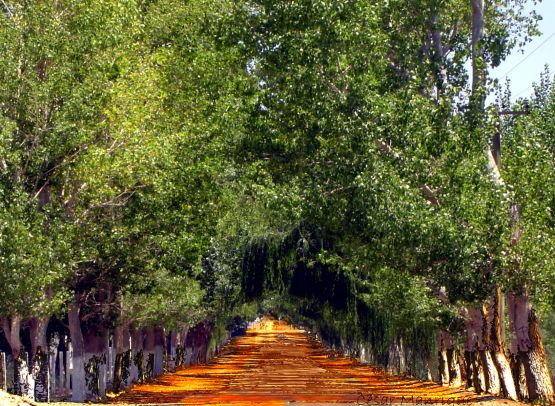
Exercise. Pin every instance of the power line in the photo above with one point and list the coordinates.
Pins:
(529, 55)
(521, 92)
(8, 11)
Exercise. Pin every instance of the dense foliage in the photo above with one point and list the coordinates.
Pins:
(176, 161)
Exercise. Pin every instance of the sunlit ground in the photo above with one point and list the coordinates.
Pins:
(277, 364)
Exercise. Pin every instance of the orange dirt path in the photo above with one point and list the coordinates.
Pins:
(277, 364)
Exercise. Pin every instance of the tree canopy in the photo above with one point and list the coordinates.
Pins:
(177, 161)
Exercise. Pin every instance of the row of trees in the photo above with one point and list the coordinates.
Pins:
(164, 164)
(113, 118)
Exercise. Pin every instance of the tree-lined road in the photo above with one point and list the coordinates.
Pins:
(277, 364)
(170, 169)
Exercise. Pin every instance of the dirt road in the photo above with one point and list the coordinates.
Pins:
(277, 364)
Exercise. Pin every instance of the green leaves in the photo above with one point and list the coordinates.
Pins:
(528, 167)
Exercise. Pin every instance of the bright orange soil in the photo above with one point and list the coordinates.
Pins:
(277, 364)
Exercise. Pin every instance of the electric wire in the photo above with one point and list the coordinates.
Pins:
(529, 55)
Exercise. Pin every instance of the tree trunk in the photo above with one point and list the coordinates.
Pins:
(96, 345)
(67, 354)
(179, 355)
(428, 375)
(52, 359)
(519, 375)
(205, 335)
(41, 376)
(118, 349)
(22, 380)
(478, 378)
(103, 365)
(443, 363)
(396, 357)
(477, 34)
(118, 361)
(530, 348)
(159, 352)
(39, 360)
(535, 364)
(22, 377)
(181, 339)
(491, 375)
(497, 349)
(468, 369)
(474, 325)
(122, 358)
(3, 372)
(505, 375)
(38, 328)
(78, 384)
(189, 355)
(137, 369)
(455, 378)
(171, 350)
(149, 352)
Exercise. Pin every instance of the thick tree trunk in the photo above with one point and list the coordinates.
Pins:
(159, 352)
(478, 377)
(96, 346)
(38, 328)
(455, 376)
(22, 376)
(150, 341)
(118, 360)
(22, 380)
(448, 357)
(468, 369)
(443, 362)
(530, 348)
(535, 364)
(474, 325)
(497, 348)
(519, 375)
(118, 371)
(204, 340)
(180, 355)
(137, 366)
(171, 350)
(491, 375)
(41, 376)
(505, 375)
(122, 358)
(39, 361)
(78, 384)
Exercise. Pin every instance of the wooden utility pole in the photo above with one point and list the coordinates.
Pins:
(497, 157)
(497, 137)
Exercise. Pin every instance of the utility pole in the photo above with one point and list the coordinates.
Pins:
(497, 158)
(497, 137)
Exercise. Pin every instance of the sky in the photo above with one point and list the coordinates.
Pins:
(524, 68)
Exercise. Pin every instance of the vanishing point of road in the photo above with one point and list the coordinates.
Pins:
(278, 364)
